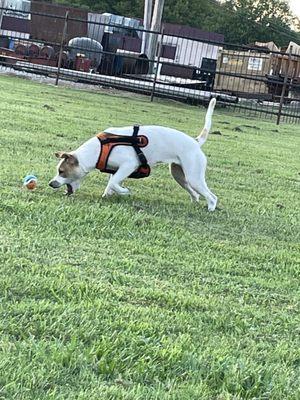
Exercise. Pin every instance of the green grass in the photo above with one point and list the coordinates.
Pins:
(148, 296)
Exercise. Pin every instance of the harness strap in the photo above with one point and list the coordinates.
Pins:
(109, 141)
(136, 129)
(137, 148)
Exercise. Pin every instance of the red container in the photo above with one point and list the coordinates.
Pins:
(43, 61)
(82, 64)
(33, 50)
(21, 50)
(64, 59)
(47, 52)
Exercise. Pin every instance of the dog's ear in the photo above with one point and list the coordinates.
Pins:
(70, 158)
(60, 154)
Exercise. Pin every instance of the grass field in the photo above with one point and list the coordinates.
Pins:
(148, 296)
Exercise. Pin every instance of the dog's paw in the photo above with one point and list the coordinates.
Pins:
(108, 193)
(212, 205)
(124, 192)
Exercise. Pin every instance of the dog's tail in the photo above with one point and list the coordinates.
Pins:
(205, 131)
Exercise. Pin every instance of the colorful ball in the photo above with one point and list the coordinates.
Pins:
(30, 181)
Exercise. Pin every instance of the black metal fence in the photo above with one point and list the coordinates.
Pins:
(178, 62)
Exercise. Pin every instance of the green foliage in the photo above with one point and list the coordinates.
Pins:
(132, 8)
(247, 21)
(241, 21)
(150, 296)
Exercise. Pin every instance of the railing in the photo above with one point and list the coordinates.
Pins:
(190, 66)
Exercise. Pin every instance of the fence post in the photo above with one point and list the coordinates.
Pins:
(284, 86)
(62, 46)
(159, 53)
(1, 11)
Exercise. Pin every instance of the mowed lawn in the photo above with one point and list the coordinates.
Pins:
(147, 296)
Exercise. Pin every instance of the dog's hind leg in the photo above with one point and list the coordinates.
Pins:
(178, 175)
(194, 171)
(115, 181)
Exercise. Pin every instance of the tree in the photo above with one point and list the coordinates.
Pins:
(247, 21)
(198, 13)
(133, 8)
(241, 21)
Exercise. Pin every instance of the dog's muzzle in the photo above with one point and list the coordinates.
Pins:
(54, 184)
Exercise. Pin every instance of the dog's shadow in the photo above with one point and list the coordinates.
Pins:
(162, 207)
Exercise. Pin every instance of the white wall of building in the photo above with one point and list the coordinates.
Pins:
(191, 52)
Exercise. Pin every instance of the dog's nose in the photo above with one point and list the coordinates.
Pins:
(54, 184)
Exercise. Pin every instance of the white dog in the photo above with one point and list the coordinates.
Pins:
(131, 151)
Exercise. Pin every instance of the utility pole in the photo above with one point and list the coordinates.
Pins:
(147, 24)
(157, 15)
(2, 5)
(155, 26)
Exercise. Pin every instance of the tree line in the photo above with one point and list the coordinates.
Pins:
(241, 21)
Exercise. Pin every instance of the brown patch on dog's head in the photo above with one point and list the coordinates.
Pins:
(68, 164)
(70, 158)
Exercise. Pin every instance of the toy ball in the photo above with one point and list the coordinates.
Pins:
(30, 181)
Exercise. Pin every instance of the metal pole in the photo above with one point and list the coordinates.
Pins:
(147, 25)
(62, 46)
(2, 5)
(159, 53)
(155, 26)
(284, 86)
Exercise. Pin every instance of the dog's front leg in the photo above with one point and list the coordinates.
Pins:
(115, 181)
(108, 191)
(116, 189)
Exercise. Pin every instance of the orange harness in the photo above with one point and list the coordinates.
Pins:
(109, 141)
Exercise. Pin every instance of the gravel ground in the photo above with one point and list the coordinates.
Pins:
(51, 81)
